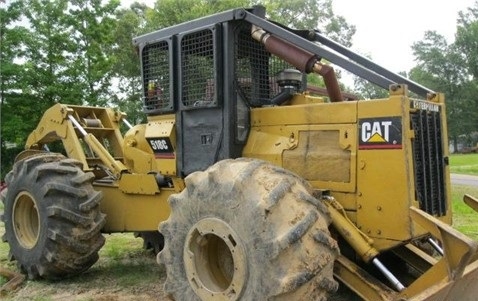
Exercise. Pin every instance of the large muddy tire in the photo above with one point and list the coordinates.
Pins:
(247, 230)
(52, 217)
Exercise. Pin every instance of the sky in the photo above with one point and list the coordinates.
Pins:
(387, 29)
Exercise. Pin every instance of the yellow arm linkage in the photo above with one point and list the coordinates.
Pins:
(59, 122)
(360, 242)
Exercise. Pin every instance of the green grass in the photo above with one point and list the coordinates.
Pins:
(464, 164)
(124, 257)
(119, 246)
(464, 218)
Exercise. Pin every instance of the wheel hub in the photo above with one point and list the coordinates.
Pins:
(26, 220)
(215, 261)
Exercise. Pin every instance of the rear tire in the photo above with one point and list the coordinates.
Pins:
(52, 217)
(247, 230)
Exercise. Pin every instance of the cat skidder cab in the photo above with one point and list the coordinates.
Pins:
(261, 189)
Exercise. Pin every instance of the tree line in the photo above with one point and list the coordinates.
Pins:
(81, 52)
(453, 69)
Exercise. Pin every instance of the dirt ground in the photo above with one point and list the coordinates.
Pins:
(124, 272)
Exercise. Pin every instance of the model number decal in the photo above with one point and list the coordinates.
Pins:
(161, 147)
(159, 144)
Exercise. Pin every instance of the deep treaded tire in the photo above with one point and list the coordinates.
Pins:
(247, 230)
(52, 217)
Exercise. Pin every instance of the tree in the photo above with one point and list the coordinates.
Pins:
(311, 14)
(46, 48)
(61, 53)
(367, 90)
(32, 76)
(466, 43)
(11, 73)
(11, 38)
(440, 66)
(170, 12)
(92, 27)
(131, 22)
(466, 38)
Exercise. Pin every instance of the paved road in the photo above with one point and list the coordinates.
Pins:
(464, 180)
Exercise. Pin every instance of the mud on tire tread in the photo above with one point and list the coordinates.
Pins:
(70, 220)
(283, 229)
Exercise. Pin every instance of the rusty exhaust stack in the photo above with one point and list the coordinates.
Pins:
(301, 59)
(330, 80)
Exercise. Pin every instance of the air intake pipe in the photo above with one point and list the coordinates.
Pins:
(301, 59)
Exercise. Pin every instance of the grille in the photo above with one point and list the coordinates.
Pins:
(429, 162)
(197, 69)
(256, 69)
(156, 78)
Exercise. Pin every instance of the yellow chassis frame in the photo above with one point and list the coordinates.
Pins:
(452, 276)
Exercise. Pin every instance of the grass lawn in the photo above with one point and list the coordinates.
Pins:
(464, 218)
(464, 164)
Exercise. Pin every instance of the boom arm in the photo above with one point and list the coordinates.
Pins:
(61, 122)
